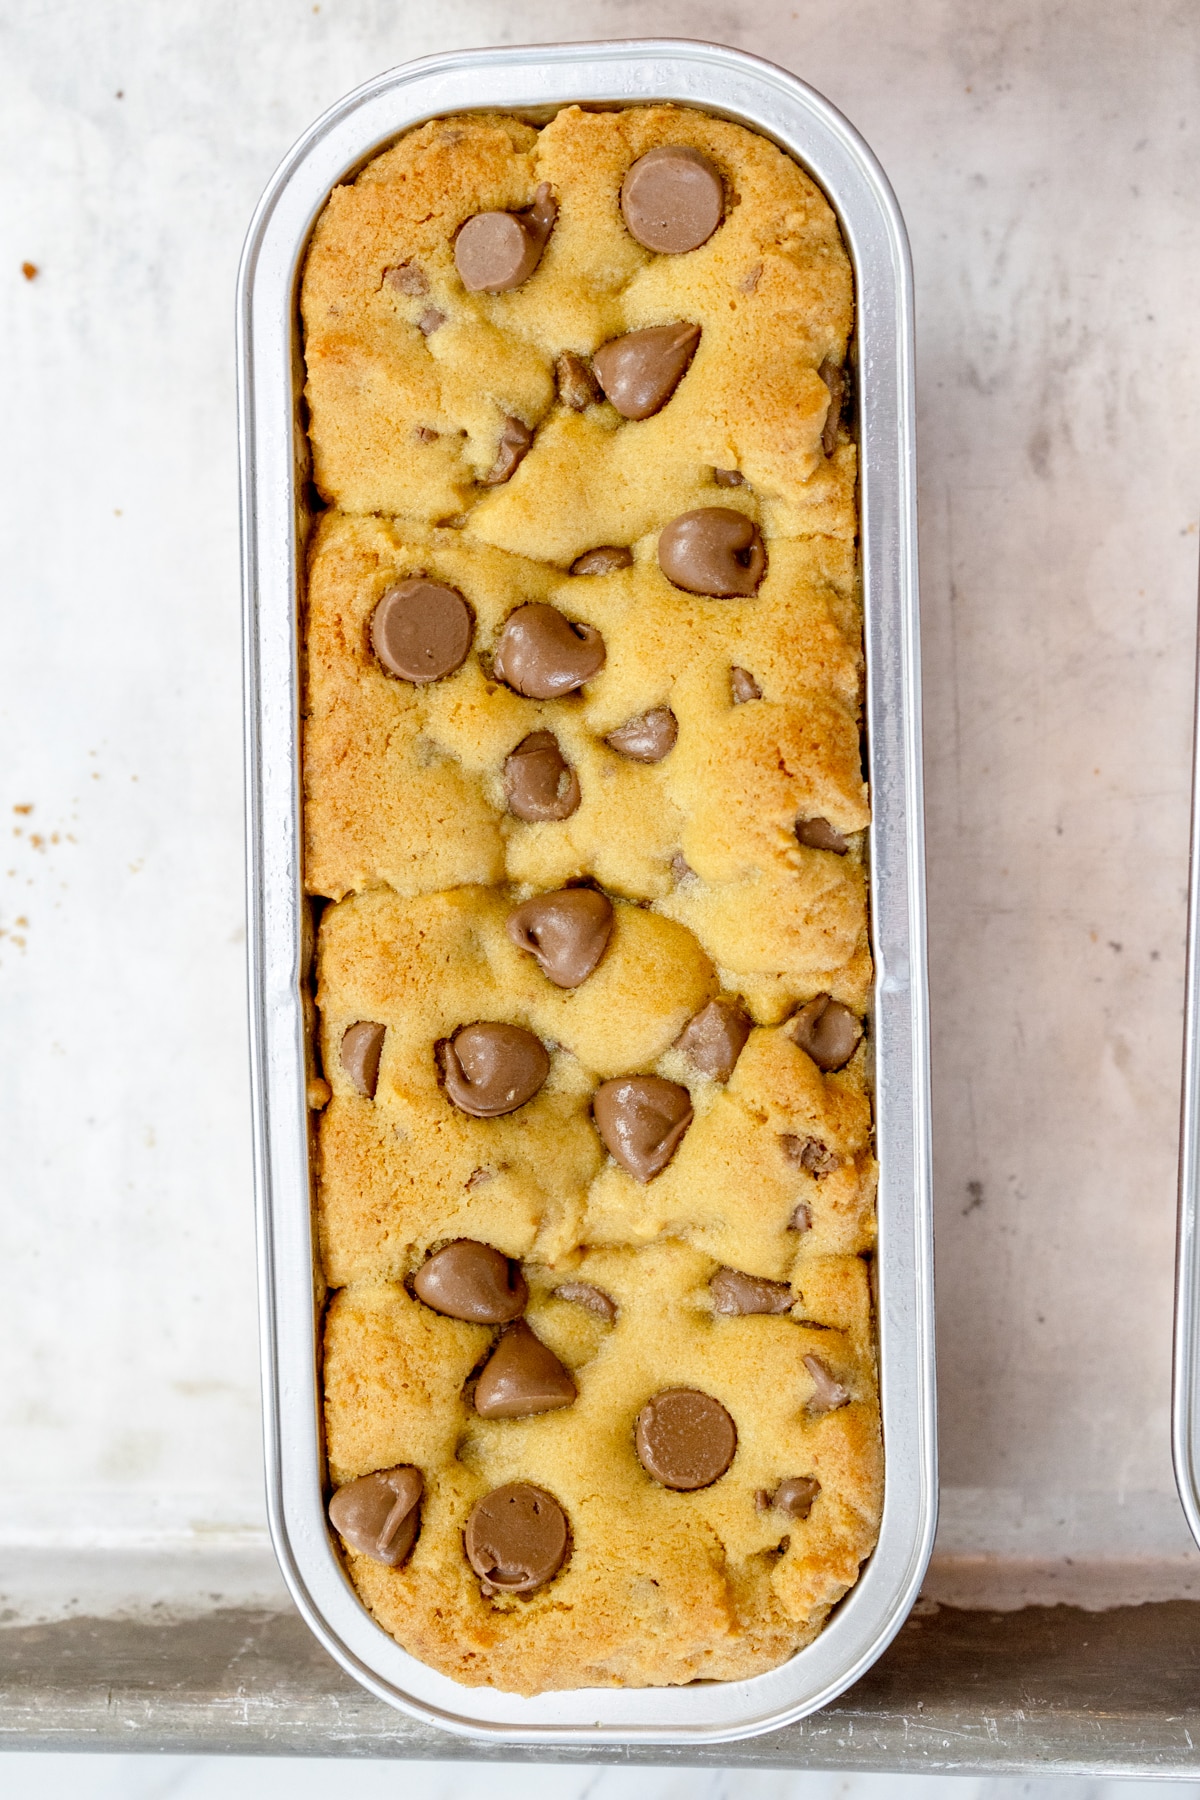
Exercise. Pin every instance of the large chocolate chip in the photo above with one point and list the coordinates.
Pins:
(362, 1046)
(819, 834)
(647, 738)
(811, 1154)
(827, 1031)
(828, 1393)
(714, 551)
(567, 931)
(640, 371)
(473, 1281)
(714, 1038)
(641, 1119)
(604, 560)
(516, 1538)
(592, 1299)
(515, 440)
(672, 199)
(744, 686)
(544, 655)
(490, 1069)
(522, 1376)
(685, 1439)
(421, 630)
(577, 386)
(735, 1293)
(538, 781)
(379, 1514)
(833, 376)
(497, 251)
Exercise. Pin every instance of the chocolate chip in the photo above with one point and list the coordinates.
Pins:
(640, 371)
(538, 781)
(380, 1514)
(592, 1299)
(795, 1496)
(544, 655)
(478, 1176)
(714, 1038)
(801, 1219)
(672, 199)
(522, 1376)
(819, 834)
(602, 561)
(728, 478)
(641, 1119)
(827, 1031)
(832, 375)
(515, 440)
(577, 386)
(421, 630)
(828, 1393)
(431, 320)
(496, 251)
(744, 686)
(648, 737)
(489, 1069)
(736, 1293)
(762, 1500)
(681, 869)
(714, 551)
(362, 1046)
(473, 1281)
(516, 1538)
(811, 1154)
(567, 931)
(408, 278)
(685, 1439)
(425, 434)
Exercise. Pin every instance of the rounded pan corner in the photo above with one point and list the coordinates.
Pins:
(770, 100)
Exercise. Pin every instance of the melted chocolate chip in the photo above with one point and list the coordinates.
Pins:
(407, 278)
(421, 630)
(516, 1538)
(379, 1515)
(827, 1031)
(681, 869)
(362, 1046)
(489, 1069)
(794, 1496)
(602, 561)
(685, 1439)
(496, 251)
(431, 320)
(577, 386)
(728, 478)
(714, 1038)
(515, 440)
(672, 199)
(833, 376)
(811, 1154)
(473, 1281)
(592, 1299)
(819, 834)
(647, 738)
(714, 551)
(744, 686)
(538, 781)
(544, 655)
(641, 1119)
(567, 931)
(828, 1393)
(736, 1293)
(522, 1376)
(640, 371)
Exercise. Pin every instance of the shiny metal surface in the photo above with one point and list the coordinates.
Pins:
(1185, 1412)
(537, 80)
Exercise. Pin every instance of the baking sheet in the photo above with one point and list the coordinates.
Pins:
(1045, 164)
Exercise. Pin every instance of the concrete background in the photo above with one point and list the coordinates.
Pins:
(1045, 158)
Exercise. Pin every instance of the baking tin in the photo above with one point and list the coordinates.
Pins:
(535, 81)
(1185, 1419)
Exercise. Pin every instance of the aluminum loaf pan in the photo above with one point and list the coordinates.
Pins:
(1185, 1433)
(535, 81)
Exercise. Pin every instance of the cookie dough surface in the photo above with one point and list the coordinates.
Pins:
(415, 385)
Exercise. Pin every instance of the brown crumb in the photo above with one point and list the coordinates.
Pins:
(30, 271)
(27, 807)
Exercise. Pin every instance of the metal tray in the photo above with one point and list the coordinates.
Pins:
(536, 80)
(1185, 1414)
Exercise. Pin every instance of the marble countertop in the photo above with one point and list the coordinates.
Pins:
(1045, 160)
